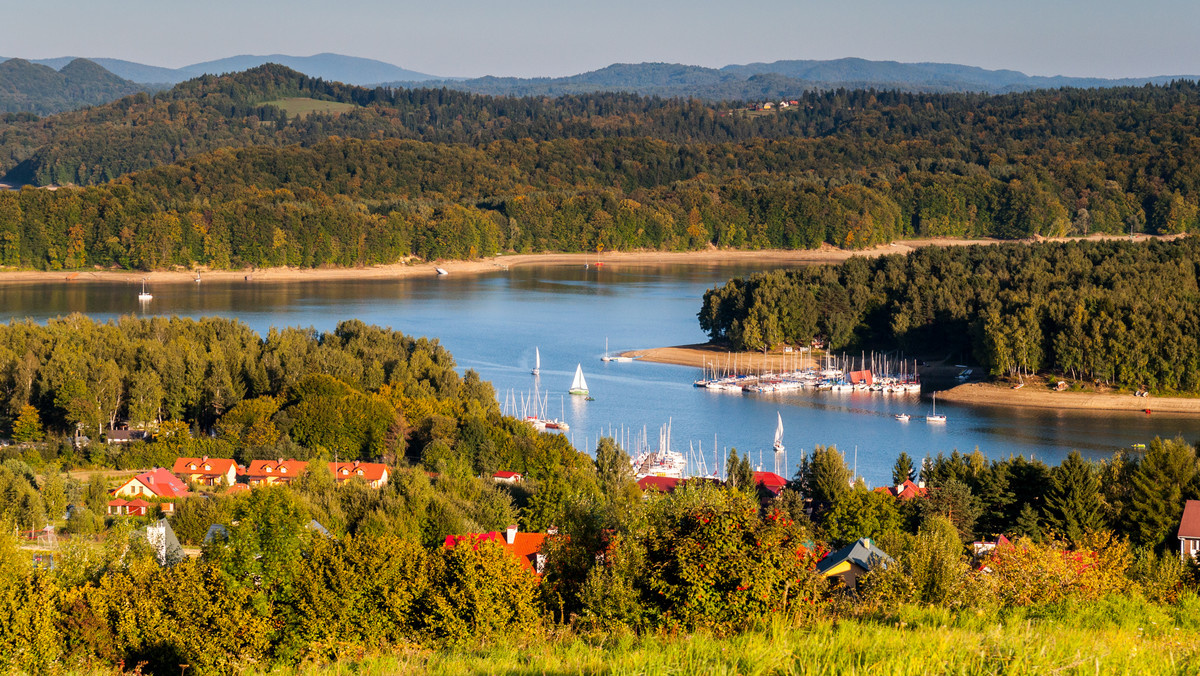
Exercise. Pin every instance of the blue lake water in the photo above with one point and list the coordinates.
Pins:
(492, 323)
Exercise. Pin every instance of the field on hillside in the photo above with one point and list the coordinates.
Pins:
(303, 107)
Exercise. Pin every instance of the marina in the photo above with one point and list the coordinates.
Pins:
(555, 318)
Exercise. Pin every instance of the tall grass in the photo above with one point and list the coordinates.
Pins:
(1119, 635)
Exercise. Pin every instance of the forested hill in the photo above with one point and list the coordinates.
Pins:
(1121, 313)
(225, 176)
(139, 132)
(33, 88)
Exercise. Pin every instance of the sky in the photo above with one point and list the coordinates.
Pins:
(531, 38)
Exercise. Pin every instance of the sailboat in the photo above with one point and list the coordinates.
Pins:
(537, 362)
(143, 296)
(578, 385)
(934, 417)
(779, 434)
(606, 357)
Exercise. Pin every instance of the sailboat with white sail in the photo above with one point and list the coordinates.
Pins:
(144, 296)
(934, 417)
(579, 384)
(537, 362)
(780, 451)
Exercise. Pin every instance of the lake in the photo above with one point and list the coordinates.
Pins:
(493, 322)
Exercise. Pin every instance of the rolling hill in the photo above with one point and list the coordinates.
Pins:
(27, 87)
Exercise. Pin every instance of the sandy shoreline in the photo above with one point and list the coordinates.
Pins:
(712, 256)
(708, 356)
(972, 394)
(984, 394)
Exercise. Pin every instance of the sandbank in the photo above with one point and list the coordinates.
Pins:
(417, 268)
(987, 394)
(710, 356)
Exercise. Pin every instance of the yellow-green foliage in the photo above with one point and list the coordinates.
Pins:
(478, 589)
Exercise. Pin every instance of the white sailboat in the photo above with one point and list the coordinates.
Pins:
(780, 453)
(779, 434)
(934, 417)
(606, 357)
(144, 296)
(579, 384)
(537, 362)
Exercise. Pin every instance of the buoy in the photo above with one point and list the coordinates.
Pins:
(1147, 411)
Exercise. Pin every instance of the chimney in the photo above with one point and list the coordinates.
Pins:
(510, 534)
(204, 459)
(150, 479)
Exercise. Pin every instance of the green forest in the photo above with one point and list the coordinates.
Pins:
(1118, 313)
(223, 179)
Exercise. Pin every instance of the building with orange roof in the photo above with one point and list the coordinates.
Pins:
(905, 491)
(157, 483)
(274, 472)
(1189, 530)
(374, 473)
(206, 471)
(526, 547)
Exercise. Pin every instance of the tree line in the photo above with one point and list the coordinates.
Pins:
(1119, 313)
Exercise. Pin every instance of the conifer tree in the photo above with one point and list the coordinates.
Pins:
(1162, 482)
(903, 470)
(828, 477)
(1073, 503)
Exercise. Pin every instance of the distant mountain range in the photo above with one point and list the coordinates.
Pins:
(780, 79)
(53, 85)
(348, 69)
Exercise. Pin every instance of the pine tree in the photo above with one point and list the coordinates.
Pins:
(738, 472)
(1073, 503)
(903, 470)
(828, 477)
(1027, 523)
(1162, 482)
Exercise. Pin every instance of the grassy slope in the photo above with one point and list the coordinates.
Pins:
(1112, 636)
(303, 107)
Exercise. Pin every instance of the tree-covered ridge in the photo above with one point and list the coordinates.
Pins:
(1126, 314)
(33, 88)
(212, 112)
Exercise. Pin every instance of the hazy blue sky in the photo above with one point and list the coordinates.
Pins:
(1107, 38)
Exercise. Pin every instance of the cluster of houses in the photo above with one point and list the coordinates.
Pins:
(160, 487)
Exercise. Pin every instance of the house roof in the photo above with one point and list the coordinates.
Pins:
(207, 466)
(1189, 524)
(118, 503)
(525, 546)
(770, 480)
(506, 475)
(284, 468)
(662, 484)
(369, 471)
(905, 491)
(862, 553)
(138, 502)
(160, 482)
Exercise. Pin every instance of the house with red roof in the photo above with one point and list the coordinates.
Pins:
(374, 473)
(770, 481)
(206, 471)
(157, 483)
(662, 484)
(1189, 530)
(905, 491)
(274, 472)
(526, 547)
(135, 507)
(508, 477)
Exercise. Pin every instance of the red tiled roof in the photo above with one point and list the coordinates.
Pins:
(905, 491)
(662, 484)
(1189, 524)
(525, 546)
(117, 503)
(369, 471)
(237, 488)
(770, 480)
(266, 468)
(217, 466)
(163, 483)
(137, 503)
(505, 475)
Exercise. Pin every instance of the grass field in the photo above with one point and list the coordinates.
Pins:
(1103, 638)
(305, 107)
